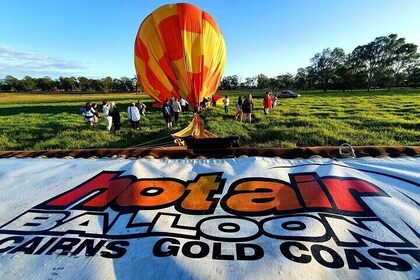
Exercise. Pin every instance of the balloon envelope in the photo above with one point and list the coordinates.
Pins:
(179, 51)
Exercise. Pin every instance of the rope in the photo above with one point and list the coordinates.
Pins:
(151, 141)
(169, 143)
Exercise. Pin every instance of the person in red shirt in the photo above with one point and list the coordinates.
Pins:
(267, 102)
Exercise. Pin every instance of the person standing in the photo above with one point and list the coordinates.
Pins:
(107, 117)
(115, 114)
(168, 114)
(226, 101)
(273, 100)
(89, 114)
(239, 113)
(142, 107)
(133, 115)
(95, 112)
(267, 102)
(213, 101)
(247, 108)
(176, 107)
(184, 105)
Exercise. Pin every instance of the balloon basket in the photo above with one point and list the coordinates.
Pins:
(212, 144)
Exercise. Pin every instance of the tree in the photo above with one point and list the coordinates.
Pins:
(106, 84)
(73, 83)
(354, 73)
(402, 55)
(12, 83)
(96, 84)
(285, 81)
(84, 84)
(311, 77)
(229, 82)
(250, 82)
(128, 84)
(301, 79)
(413, 76)
(325, 66)
(28, 83)
(44, 84)
(274, 83)
(262, 81)
(385, 58)
(67, 84)
(135, 84)
(118, 85)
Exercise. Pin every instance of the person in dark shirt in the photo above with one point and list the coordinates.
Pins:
(168, 114)
(115, 114)
(247, 107)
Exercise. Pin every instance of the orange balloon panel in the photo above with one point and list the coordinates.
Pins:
(179, 51)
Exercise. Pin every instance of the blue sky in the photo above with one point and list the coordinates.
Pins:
(95, 38)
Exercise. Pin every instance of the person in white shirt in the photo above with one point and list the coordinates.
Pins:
(142, 107)
(89, 114)
(184, 104)
(176, 107)
(133, 115)
(226, 104)
(107, 117)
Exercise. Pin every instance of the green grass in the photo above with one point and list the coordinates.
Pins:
(53, 121)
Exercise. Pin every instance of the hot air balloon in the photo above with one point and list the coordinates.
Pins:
(180, 52)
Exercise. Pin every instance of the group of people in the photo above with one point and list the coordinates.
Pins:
(111, 114)
(244, 109)
(110, 111)
(171, 109)
(269, 102)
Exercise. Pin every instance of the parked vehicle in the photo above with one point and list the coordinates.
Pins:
(287, 94)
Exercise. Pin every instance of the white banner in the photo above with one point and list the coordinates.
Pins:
(242, 218)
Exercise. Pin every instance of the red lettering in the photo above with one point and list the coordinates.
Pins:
(346, 193)
(312, 193)
(200, 194)
(104, 187)
(151, 194)
(261, 197)
(252, 196)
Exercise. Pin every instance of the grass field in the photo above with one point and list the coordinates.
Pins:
(53, 121)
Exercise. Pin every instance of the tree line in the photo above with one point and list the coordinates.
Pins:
(68, 84)
(387, 61)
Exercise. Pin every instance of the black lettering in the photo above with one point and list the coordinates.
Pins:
(337, 261)
(356, 260)
(15, 239)
(171, 251)
(243, 256)
(45, 246)
(28, 247)
(65, 245)
(117, 247)
(293, 225)
(392, 263)
(217, 253)
(204, 249)
(415, 254)
(91, 248)
(285, 250)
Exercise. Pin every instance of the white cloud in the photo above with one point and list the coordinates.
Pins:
(21, 63)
